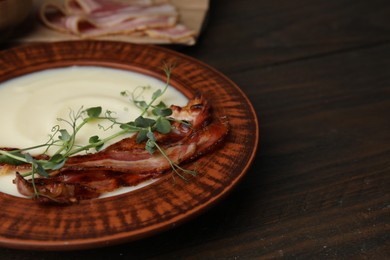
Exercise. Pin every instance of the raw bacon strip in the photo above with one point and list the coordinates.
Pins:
(54, 16)
(86, 29)
(175, 34)
(90, 6)
(106, 18)
(126, 20)
(93, 18)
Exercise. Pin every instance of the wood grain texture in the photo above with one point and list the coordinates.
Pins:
(317, 73)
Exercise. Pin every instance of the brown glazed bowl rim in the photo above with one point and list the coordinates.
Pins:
(156, 207)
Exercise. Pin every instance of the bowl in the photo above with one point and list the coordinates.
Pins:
(157, 207)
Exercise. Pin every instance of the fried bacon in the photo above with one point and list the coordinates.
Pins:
(196, 113)
(54, 190)
(127, 163)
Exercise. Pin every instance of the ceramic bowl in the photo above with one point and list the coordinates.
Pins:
(159, 206)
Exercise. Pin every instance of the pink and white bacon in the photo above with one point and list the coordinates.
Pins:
(94, 18)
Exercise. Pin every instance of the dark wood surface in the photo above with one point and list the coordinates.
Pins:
(318, 75)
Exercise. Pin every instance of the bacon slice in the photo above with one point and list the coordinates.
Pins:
(177, 33)
(86, 179)
(90, 6)
(137, 161)
(196, 113)
(93, 18)
(126, 156)
(54, 191)
(72, 186)
(106, 18)
(125, 20)
(127, 163)
(181, 144)
(88, 29)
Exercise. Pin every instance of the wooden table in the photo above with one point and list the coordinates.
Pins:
(318, 75)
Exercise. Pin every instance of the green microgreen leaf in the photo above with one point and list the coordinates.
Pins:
(150, 146)
(94, 112)
(57, 158)
(141, 136)
(144, 122)
(163, 126)
(162, 111)
(35, 165)
(151, 136)
(30, 159)
(56, 162)
(65, 136)
(157, 94)
(161, 105)
(140, 104)
(96, 140)
(41, 171)
(127, 126)
(6, 159)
